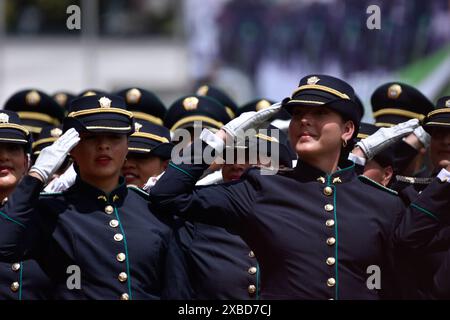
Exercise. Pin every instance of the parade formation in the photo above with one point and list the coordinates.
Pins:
(110, 195)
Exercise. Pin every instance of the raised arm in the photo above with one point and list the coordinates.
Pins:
(224, 205)
(21, 219)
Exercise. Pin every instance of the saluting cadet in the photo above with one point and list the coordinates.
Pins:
(98, 226)
(36, 110)
(218, 263)
(149, 151)
(416, 270)
(425, 231)
(394, 103)
(21, 279)
(315, 229)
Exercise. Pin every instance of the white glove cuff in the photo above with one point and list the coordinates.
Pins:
(39, 172)
(364, 149)
(444, 175)
(423, 136)
(356, 159)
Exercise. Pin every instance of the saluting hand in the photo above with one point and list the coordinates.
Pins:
(251, 120)
(385, 137)
(51, 157)
(247, 120)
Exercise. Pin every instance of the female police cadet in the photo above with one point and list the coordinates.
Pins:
(20, 279)
(149, 151)
(99, 231)
(316, 230)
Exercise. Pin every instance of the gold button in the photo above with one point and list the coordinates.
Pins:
(331, 261)
(118, 237)
(328, 191)
(331, 241)
(251, 254)
(122, 277)
(329, 207)
(114, 223)
(329, 223)
(15, 266)
(252, 270)
(251, 289)
(124, 296)
(109, 209)
(15, 286)
(121, 257)
(331, 282)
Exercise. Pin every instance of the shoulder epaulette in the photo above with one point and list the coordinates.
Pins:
(414, 180)
(49, 194)
(373, 183)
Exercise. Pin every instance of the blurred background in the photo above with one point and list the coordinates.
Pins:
(249, 48)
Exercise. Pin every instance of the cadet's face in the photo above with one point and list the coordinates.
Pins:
(315, 131)
(100, 155)
(440, 147)
(13, 164)
(139, 168)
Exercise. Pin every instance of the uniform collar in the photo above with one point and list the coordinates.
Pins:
(88, 191)
(305, 172)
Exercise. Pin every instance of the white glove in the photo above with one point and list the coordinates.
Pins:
(63, 182)
(151, 182)
(423, 136)
(385, 137)
(251, 120)
(283, 125)
(51, 157)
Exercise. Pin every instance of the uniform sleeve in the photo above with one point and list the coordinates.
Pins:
(425, 224)
(224, 205)
(19, 227)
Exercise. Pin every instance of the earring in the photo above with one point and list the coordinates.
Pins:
(344, 143)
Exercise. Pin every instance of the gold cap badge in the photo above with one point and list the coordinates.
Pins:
(394, 91)
(190, 103)
(56, 132)
(105, 102)
(447, 103)
(313, 80)
(262, 104)
(133, 96)
(202, 91)
(4, 118)
(61, 99)
(32, 98)
(137, 126)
